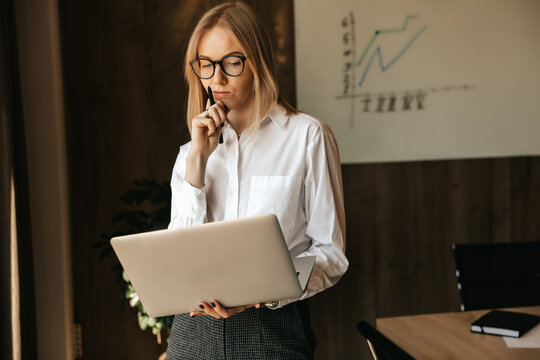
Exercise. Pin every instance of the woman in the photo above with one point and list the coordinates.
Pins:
(273, 159)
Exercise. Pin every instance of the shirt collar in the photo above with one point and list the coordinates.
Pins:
(278, 115)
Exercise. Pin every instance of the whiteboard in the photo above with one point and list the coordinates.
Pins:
(408, 80)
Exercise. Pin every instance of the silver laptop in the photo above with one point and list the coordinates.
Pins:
(236, 262)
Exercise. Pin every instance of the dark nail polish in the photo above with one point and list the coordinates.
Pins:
(213, 304)
(223, 124)
(202, 307)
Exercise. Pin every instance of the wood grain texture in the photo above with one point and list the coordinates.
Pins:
(125, 98)
(448, 336)
(401, 221)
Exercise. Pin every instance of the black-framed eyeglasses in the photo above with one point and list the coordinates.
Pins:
(232, 65)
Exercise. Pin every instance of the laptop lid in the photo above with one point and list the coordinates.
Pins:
(236, 262)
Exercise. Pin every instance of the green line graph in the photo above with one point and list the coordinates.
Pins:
(378, 32)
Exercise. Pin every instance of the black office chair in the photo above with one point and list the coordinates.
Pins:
(381, 347)
(498, 275)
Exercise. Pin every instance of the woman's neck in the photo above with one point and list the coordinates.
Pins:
(240, 119)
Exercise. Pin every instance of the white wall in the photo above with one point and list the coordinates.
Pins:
(459, 79)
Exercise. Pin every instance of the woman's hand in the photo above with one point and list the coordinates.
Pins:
(216, 310)
(205, 130)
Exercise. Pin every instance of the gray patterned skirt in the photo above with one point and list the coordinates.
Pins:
(283, 333)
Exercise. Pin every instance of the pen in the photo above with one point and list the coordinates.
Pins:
(212, 102)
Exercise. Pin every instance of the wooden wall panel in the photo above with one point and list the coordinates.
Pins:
(125, 98)
(401, 221)
(525, 192)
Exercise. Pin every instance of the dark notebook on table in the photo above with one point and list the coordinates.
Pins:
(505, 323)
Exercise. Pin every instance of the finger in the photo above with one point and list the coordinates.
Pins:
(222, 114)
(204, 114)
(201, 121)
(223, 106)
(209, 310)
(217, 114)
(193, 313)
(229, 311)
(221, 310)
(208, 123)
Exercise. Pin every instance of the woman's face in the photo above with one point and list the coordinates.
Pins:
(236, 92)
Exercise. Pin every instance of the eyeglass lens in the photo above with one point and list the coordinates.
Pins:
(231, 65)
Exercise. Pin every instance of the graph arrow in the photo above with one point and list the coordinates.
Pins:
(378, 52)
(387, 31)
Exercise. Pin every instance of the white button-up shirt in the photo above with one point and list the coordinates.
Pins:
(290, 167)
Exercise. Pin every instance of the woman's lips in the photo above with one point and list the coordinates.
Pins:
(221, 94)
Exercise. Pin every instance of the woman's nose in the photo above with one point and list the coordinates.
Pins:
(219, 76)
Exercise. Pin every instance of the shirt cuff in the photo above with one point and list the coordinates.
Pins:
(274, 305)
(192, 203)
(196, 192)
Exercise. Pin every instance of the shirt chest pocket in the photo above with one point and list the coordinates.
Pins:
(277, 195)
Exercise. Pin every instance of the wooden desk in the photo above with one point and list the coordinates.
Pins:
(448, 336)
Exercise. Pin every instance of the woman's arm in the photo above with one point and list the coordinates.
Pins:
(325, 213)
(188, 203)
(205, 131)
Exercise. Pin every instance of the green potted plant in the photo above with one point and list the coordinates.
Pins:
(148, 208)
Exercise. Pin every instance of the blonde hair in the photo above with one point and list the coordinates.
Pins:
(254, 42)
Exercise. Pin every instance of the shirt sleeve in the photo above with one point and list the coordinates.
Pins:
(325, 213)
(188, 203)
